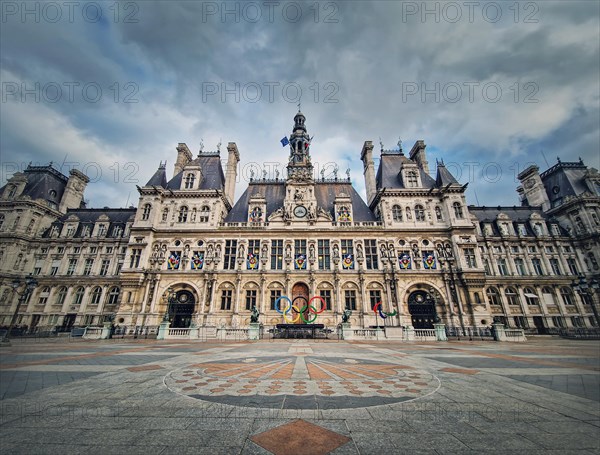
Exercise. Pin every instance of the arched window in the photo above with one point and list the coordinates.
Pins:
(60, 296)
(113, 295)
(531, 297)
(567, 296)
(458, 212)
(183, 214)
(397, 213)
(512, 296)
(96, 295)
(44, 293)
(419, 213)
(165, 214)
(1, 221)
(492, 295)
(204, 213)
(78, 296)
(189, 181)
(146, 212)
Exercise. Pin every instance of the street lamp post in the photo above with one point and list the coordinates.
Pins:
(30, 284)
(588, 288)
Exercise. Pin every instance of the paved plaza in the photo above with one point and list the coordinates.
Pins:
(299, 397)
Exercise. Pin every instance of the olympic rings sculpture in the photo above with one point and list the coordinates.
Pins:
(291, 307)
(377, 308)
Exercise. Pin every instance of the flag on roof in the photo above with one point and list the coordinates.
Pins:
(284, 141)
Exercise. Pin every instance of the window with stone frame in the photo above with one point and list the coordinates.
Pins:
(104, 267)
(572, 263)
(493, 296)
(470, 258)
(134, 261)
(520, 266)
(78, 296)
(325, 294)
(113, 295)
(276, 254)
(250, 299)
(537, 266)
(230, 254)
(458, 211)
(371, 257)
(397, 213)
(183, 214)
(502, 268)
(512, 296)
(350, 299)
(567, 296)
(146, 212)
(226, 296)
(324, 254)
(419, 213)
(96, 295)
(60, 296)
(204, 214)
(374, 298)
(72, 266)
(87, 267)
(555, 266)
(275, 294)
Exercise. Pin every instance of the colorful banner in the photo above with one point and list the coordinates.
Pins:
(255, 216)
(173, 261)
(348, 262)
(300, 262)
(404, 261)
(344, 215)
(197, 261)
(252, 261)
(428, 260)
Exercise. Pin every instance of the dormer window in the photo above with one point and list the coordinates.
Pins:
(397, 213)
(183, 214)
(70, 231)
(12, 192)
(189, 181)
(146, 212)
(412, 180)
(102, 230)
(458, 212)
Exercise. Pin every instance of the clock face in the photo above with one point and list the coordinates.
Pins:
(556, 190)
(300, 211)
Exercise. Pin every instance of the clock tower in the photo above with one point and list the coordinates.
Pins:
(300, 201)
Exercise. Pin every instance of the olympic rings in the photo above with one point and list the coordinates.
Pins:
(299, 313)
(377, 308)
(276, 305)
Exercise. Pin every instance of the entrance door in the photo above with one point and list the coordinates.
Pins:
(181, 310)
(538, 321)
(299, 299)
(422, 310)
(68, 322)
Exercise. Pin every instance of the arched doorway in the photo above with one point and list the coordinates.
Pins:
(422, 310)
(181, 309)
(300, 299)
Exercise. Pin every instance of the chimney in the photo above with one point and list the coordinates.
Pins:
(532, 189)
(233, 158)
(369, 170)
(184, 156)
(73, 195)
(417, 154)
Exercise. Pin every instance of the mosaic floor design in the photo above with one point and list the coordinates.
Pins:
(301, 382)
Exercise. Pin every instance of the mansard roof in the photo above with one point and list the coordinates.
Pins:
(41, 181)
(159, 178)
(115, 217)
(444, 177)
(515, 213)
(388, 174)
(212, 172)
(568, 177)
(325, 193)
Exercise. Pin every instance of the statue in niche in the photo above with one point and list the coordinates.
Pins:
(311, 251)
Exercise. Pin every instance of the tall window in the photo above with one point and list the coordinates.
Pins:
(326, 295)
(96, 295)
(16, 222)
(87, 268)
(189, 181)
(250, 298)
(567, 296)
(165, 214)
(60, 296)
(146, 212)
(555, 266)
(134, 261)
(371, 254)
(1, 221)
(204, 214)
(276, 254)
(530, 296)
(72, 265)
(397, 213)
(438, 214)
(230, 254)
(183, 214)
(226, 299)
(458, 211)
(486, 267)
(275, 294)
(537, 266)
(470, 258)
(78, 296)
(419, 213)
(44, 295)
(520, 266)
(411, 179)
(104, 267)
(572, 266)
(492, 295)
(113, 295)
(254, 246)
(374, 298)
(300, 247)
(323, 254)
(350, 299)
(512, 297)
(558, 321)
(101, 230)
(501, 262)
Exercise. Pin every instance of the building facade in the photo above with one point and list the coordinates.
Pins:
(193, 254)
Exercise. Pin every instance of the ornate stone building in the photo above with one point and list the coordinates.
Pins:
(192, 253)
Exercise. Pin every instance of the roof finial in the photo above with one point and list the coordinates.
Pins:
(201, 145)
(348, 173)
(558, 159)
(323, 174)
(380, 144)
(400, 146)
(219, 146)
(299, 102)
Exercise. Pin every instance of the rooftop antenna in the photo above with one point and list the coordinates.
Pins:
(545, 160)
(127, 203)
(476, 199)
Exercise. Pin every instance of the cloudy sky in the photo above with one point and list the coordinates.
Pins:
(112, 88)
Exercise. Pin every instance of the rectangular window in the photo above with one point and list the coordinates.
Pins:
(299, 254)
(93, 250)
(350, 299)
(53, 271)
(72, 265)
(532, 249)
(274, 296)
(470, 258)
(109, 249)
(567, 249)
(514, 249)
(520, 266)
(326, 295)
(60, 250)
(502, 266)
(347, 254)
(371, 257)
(324, 254)
(250, 299)
(254, 247)
(76, 250)
(558, 321)
(549, 249)
(276, 254)
(134, 262)
(37, 270)
(497, 249)
(118, 268)
(537, 266)
(230, 254)
(572, 266)
(104, 267)
(486, 266)
(555, 266)
(226, 299)
(521, 322)
(87, 269)
(577, 321)
(374, 298)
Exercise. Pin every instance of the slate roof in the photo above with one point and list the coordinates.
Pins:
(159, 178)
(444, 177)
(116, 218)
(325, 193)
(388, 173)
(212, 171)
(41, 180)
(568, 177)
(517, 215)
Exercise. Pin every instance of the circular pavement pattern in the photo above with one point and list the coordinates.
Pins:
(302, 382)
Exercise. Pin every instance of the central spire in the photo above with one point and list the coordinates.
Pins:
(299, 166)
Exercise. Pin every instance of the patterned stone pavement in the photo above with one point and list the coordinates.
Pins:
(300, 397)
